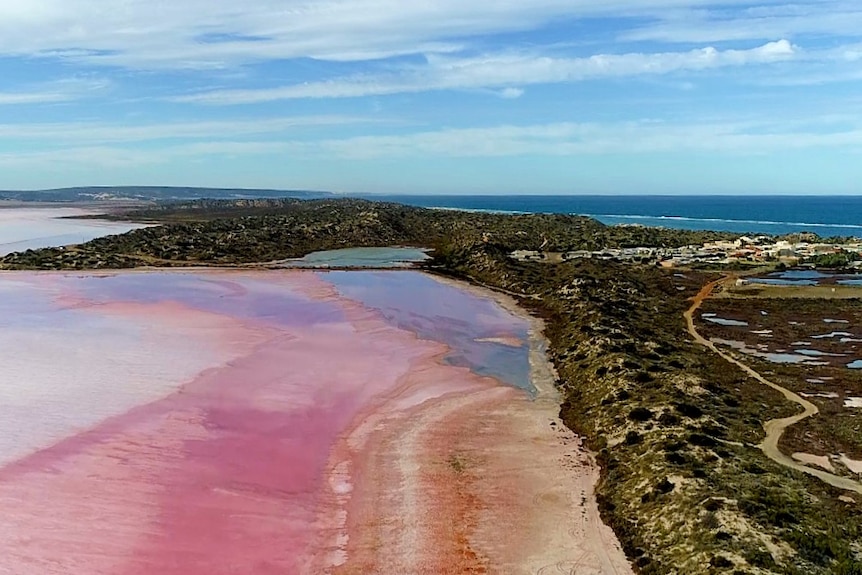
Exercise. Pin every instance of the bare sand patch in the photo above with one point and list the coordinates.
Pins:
(851, 464)
(818, 460)
(853, 402)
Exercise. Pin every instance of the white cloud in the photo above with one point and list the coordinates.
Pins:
(577, 139)
(763, 21)
(19, 98)
(816, 67)
(96, 156)
(220, 33)
(214, 33)
(100, 133)
(511, 93)
(566, 139)
(504, 71)
(53, 92)
(82, 158)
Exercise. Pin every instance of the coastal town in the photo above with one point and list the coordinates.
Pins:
(745, 250)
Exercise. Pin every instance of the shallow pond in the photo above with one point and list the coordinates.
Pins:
(817, 353)
(806, 278)
(799, 356)
(790, 277)
(360, 258)
(724, 321)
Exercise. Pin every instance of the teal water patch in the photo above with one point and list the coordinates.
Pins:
(805, 278)
(711, 318)
(368, 258)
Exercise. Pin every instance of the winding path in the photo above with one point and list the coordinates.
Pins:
(774, 427)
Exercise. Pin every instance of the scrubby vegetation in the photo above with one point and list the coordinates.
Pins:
(839, 260)
(229, 232)
(675, 428)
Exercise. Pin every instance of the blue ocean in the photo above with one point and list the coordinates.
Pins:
(824, 215)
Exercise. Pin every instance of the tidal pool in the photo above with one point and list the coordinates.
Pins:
(184, 423)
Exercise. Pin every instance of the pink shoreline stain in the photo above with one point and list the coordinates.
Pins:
(231, 472)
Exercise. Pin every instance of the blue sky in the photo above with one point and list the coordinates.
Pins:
(434, 96)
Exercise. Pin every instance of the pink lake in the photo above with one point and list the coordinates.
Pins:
(185, 422)
(30, 228)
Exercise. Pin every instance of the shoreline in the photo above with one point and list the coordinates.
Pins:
(544, 376)
(473, 460)
(435, 476)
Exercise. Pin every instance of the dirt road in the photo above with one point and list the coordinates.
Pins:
(774, 427)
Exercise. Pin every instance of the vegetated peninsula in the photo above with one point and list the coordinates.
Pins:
(689, 481)
(147, 194)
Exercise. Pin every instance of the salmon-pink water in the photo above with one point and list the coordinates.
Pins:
(186, 422)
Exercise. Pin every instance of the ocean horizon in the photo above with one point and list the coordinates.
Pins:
(827, 216)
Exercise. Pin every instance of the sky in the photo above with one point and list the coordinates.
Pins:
(434, 96)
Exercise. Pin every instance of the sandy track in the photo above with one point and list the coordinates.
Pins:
(774, 427)
(482, 481)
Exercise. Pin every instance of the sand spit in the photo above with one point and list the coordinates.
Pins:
(478, 481)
